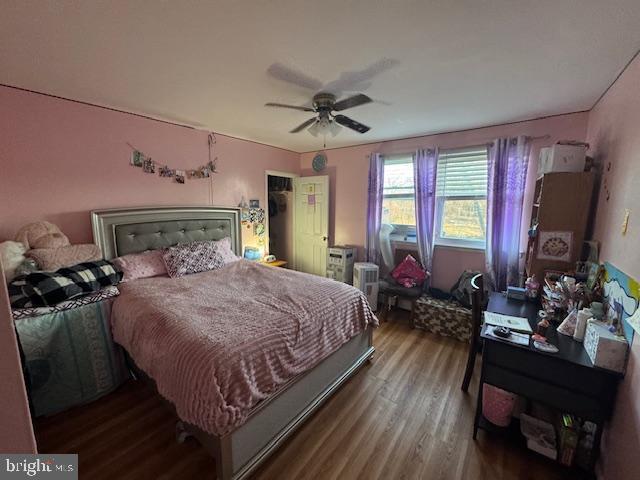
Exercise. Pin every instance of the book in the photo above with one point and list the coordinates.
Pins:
(519, 324)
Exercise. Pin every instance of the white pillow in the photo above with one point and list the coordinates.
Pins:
(12, 255)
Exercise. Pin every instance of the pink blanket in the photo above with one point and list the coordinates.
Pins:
(218, 342)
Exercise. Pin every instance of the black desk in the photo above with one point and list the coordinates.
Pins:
(567, 381)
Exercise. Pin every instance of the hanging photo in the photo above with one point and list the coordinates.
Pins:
(148, 166)
(254, 203)
(167, 172)
(137, 158)
(555, 246)
(179, 176)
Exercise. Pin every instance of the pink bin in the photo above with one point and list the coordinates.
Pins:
(497, 405)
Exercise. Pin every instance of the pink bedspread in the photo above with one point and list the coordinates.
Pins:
(218, 342)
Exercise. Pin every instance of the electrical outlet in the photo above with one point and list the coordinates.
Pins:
(625, 222)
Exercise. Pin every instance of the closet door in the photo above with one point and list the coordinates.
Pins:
(311, 232)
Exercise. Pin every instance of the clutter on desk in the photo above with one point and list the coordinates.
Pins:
(545, 347)
(503, 333)
(605, 348)
(516, 293)
(519, 324)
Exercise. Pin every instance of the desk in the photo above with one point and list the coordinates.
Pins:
(566, 381)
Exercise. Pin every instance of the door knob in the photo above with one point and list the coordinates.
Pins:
(324, 239)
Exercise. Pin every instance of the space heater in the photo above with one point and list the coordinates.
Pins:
(365, 279)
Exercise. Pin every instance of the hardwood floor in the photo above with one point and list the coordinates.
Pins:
(402, 416)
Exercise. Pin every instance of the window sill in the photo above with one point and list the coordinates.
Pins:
(462, 248)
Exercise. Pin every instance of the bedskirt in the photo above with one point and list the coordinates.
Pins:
(70, 357)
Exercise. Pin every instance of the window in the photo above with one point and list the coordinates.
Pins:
(398, 203)
(461, 198)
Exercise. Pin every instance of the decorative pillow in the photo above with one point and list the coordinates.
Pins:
(12, 256)
(52, 259)
(224, 248)
(193, 257)
(41, 289)
(141, 265)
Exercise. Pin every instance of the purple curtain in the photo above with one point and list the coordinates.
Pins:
(374, 207)
(425, 169)
(507, 169)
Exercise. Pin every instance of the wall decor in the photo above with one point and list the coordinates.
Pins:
(555, 246)
(622, 294)
(254, 203)
(148, 165)
(319, 161)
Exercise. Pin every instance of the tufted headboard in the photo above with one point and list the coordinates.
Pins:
(132, 230)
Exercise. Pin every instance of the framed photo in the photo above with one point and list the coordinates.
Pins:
(254, 203)
(555, 246)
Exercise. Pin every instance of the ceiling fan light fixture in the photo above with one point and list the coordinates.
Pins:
(324, 126)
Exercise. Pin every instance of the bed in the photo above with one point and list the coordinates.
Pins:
(240, 444)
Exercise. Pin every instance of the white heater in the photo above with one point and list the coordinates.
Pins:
(365, 279)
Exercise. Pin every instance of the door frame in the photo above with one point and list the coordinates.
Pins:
(277, 173)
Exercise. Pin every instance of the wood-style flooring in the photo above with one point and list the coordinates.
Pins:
(402, 416)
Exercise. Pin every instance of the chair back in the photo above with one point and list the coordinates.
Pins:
(478, 301)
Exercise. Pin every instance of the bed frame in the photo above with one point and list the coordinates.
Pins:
(272, 421)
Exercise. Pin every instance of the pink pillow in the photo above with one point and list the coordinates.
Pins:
(194, 257)
(225, 251)
(141, 265)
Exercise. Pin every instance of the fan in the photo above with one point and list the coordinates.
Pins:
(324, 104)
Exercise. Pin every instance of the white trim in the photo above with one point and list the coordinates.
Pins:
(277, 173)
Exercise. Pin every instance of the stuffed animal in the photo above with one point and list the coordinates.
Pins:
(51, 249)
(12, 255)
(42, 235)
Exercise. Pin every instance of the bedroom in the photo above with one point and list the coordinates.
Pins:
(89, 88)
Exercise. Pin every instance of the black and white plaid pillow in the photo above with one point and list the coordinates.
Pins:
(41, 289)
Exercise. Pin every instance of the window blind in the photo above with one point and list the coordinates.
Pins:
(462, 172)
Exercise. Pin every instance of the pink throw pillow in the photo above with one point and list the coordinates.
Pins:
(141, 265)
(194, 257)
(224, 248)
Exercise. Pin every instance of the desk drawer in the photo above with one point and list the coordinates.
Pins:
(562, 399)
(551, 370)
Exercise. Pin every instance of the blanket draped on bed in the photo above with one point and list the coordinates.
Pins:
(70, 356)
(216, 343)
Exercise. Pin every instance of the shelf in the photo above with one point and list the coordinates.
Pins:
(513, 435)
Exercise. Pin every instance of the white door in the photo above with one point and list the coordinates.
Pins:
(311, 223)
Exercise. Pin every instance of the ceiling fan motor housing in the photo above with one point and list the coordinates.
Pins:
(323, 102)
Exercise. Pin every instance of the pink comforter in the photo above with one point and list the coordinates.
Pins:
(218, 342)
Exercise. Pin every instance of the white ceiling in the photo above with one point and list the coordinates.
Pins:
(453, 64)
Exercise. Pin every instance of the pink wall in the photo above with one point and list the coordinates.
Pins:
(16, 433)
(348, 167)
(614, 134)
(61, 159)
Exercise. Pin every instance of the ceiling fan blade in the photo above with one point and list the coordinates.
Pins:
(352, 124)
(358, 80)
(351, 102)
(292, 107)
(290, 75)
(304, 125)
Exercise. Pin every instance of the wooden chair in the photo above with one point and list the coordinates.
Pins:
(477, 306)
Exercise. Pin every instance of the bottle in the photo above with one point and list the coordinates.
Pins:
(581, 324)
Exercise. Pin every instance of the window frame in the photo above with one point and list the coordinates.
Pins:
(398, 228)
(440, 200)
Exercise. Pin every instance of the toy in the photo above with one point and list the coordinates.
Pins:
(12, 255)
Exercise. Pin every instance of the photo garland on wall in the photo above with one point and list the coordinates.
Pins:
(148, 165)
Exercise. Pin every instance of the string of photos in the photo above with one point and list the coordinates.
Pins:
(148, 165)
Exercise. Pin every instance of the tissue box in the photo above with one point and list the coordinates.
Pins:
(561, 158)
(605, 349)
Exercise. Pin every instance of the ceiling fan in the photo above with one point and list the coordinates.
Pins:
(324, 104)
